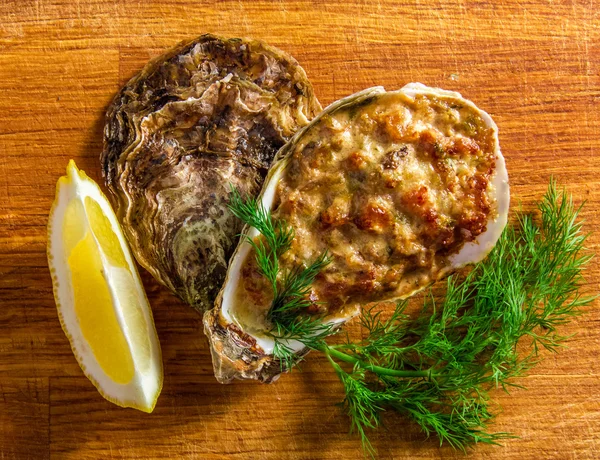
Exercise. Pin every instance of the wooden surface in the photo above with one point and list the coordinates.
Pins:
(533, 65)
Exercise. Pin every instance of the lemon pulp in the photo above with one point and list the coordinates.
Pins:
(92, 298)
(123, 283)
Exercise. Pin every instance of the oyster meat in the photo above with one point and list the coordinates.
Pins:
(208, 115)
(400, 188)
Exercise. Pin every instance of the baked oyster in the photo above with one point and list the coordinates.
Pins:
(209, 114)
(400, 188)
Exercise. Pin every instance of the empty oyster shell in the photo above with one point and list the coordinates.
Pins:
(401, 188)
(207, 115)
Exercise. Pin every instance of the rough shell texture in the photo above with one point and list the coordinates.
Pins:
(238, 353)
(206, 116)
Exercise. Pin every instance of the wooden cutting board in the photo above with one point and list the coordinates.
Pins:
(534, 65)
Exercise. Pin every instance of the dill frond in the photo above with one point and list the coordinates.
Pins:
(439, 368)
(277, 234)
(467, 342)
(290, 288)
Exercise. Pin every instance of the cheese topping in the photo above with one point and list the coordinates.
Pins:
(390, 187)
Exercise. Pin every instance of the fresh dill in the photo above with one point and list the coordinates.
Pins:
(290, 288)
(277, 234)
(438, 368)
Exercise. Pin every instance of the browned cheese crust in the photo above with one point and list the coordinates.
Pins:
(390, 188)
(208, 115)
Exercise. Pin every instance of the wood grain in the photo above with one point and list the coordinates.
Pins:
(533, 64)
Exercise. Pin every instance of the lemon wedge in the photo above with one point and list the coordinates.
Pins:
(100, 299)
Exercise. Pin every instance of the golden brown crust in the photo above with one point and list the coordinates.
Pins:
(390, 189)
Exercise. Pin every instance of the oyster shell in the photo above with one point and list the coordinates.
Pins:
(209, 114)
(401, 188)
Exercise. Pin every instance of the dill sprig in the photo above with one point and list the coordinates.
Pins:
(438, 368)
(291, 287)
(278, 236)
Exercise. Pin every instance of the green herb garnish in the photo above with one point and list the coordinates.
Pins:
(290, 288)
(438, 368)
